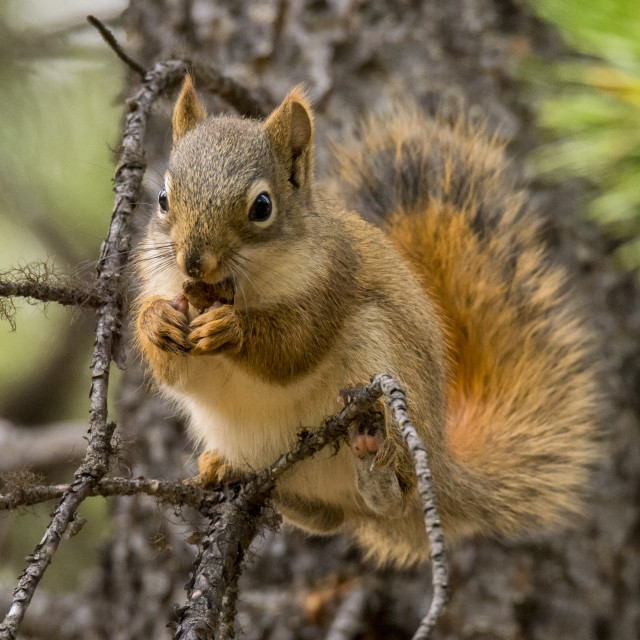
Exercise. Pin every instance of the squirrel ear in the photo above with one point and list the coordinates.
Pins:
(188, 112)
(290, 131)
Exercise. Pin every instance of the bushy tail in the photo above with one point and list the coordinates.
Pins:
(523, 390)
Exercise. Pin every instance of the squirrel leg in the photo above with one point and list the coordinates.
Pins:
(213, 470)
(376, 458)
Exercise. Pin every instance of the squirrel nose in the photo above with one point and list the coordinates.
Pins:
(193, 266)
(196, 265)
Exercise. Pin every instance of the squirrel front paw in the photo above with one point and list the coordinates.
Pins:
(164, 324)
(218, 329)
(213, 470)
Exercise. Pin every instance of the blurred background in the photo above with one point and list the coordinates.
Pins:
(564, 82)
(60, 117)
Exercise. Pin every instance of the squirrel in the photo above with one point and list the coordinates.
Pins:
(265, 292)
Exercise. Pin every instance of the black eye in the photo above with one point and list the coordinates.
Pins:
(261, 208)
(163, 201)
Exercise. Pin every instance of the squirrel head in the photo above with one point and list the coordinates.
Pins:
(236, 189)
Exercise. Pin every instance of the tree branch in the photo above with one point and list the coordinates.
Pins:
(40, 281)
(128, 180)
(45, 292)
(210, 79)
(110, 39)
(165, 491)
(227, 622)
(235, 523)
(241, 511)
(396, 400)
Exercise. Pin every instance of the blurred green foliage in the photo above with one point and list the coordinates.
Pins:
(60, 121)
(590, 104)
(57, 104)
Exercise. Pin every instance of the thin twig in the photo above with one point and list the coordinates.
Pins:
(209, 78)
(396, 400)
(45, 292)
(110, 39)
(227, 626)
(164, 491)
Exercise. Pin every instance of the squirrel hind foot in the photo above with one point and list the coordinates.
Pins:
(375, 456)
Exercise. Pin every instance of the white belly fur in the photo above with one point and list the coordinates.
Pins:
(252, 423)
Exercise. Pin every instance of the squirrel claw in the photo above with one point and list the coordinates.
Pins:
(181, 304)
(375, 454)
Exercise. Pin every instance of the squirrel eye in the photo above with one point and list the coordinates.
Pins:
(261, 208)
(163, 201)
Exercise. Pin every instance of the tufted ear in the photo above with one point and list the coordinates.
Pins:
(188, 112)
(289, 130)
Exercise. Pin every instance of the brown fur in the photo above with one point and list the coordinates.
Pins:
(454, 299)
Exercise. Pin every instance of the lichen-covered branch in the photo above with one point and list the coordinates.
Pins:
(227, 622)
(237, 521)
(114, 254)
(86, 297)
(239, 513)
(41, 282)
(164, 491)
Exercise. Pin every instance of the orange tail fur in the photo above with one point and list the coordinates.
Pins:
(522, 397)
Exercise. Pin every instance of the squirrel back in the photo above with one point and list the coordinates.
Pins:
(522, 392)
